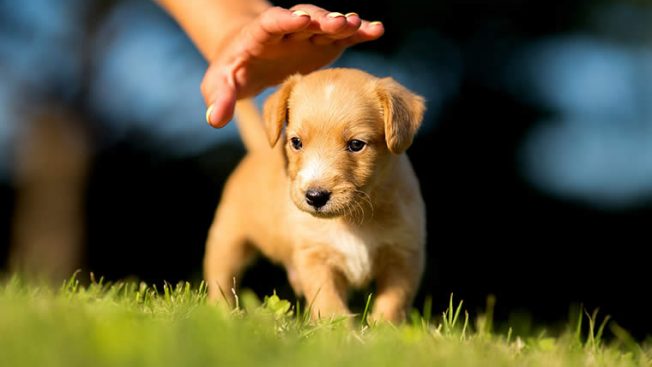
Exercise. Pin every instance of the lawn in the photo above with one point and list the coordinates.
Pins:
(135, 324)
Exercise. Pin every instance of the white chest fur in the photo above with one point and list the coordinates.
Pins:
(357, 252)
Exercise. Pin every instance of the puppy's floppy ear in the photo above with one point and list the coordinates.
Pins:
(275, 110)
(402, 112)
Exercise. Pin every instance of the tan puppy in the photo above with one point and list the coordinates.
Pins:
(334, 200)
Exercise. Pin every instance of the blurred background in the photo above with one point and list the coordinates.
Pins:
(535, 157)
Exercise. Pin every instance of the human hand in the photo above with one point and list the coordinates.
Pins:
(276, 44)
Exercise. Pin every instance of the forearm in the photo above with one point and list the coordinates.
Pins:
(209, 23)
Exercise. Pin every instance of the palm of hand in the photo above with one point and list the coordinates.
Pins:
(269, 64)
(276, 45)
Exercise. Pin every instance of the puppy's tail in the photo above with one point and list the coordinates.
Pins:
(251, 125)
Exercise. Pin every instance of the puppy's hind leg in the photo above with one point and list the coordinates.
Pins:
(227, 254)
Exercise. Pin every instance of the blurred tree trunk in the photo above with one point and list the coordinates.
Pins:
(52, 163)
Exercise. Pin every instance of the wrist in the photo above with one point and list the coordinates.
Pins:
(228, 24)
(211, 23)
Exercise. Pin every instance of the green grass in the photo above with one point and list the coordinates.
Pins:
(132, 324)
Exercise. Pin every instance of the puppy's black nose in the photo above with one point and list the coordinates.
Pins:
(317, 198)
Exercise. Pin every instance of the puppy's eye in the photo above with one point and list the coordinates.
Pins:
(296, 143)
(355, 145)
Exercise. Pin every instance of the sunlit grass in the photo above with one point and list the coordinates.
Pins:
(135, 324)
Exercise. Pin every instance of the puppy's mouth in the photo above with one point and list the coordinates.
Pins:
(325, 204)
(322, 213)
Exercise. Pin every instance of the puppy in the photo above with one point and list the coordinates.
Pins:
(332, 197)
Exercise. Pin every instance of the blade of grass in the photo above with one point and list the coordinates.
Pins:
(364, 322)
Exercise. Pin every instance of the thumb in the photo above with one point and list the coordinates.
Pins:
(220, 112)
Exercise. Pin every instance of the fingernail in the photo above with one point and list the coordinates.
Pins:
(351, 14)
(376, 22)
(208, 114)
(300, 13)
(335, 15)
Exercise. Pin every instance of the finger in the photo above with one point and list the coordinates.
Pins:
(353, 23)
(323, 23)
(372, 30)
(276, 22)
(220, 112)
(368, 31)
(326, 22)
(311, 9)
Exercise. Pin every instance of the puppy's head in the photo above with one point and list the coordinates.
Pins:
(343, 129)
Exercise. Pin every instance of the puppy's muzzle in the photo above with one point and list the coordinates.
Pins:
(317, 197)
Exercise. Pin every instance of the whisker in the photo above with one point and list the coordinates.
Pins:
(367, 199)
(352, 211)
(360, 211)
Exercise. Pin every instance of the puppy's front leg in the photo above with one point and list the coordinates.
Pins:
(323, 286)
(397, 279)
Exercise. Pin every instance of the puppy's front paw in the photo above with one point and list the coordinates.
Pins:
(391, 315)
